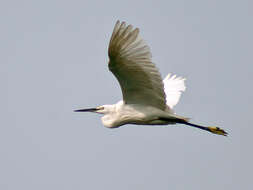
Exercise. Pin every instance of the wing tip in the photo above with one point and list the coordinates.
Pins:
(173, 88)
(170, 76)
(126, 41)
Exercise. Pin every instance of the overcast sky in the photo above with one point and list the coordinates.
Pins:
(54, 60)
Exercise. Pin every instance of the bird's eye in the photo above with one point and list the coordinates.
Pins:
(100, 108)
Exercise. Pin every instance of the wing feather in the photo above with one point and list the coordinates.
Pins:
(173, 87)
(130, 62)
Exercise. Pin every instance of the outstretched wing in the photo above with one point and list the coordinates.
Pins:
(173, 87)
(130, 62)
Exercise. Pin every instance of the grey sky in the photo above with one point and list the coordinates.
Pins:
(54, 59)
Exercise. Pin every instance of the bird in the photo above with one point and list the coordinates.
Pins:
(147, 99)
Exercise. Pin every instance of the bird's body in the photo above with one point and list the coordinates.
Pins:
(121, 113)
(147, 99)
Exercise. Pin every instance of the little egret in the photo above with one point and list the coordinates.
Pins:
(147, 100)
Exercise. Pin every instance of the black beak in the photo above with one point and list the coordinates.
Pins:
(87, 110)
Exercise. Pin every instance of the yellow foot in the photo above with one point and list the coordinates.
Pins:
(217, 130)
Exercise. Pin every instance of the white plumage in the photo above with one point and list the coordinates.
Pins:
(130, 61)
(173, 88)
(147, 99)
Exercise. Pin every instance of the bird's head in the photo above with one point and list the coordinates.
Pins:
(108, 111)
(100, 109)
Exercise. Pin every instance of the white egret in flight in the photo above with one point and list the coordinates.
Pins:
(147, 100)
